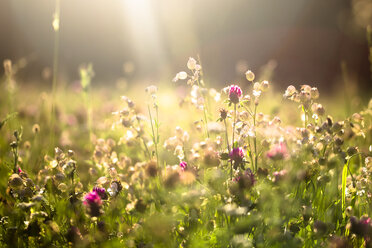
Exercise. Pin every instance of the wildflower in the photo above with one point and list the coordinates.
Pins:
(278, 152)
(249, 75)
(183, 165)
(264, 85)
(36, 128)
(235, 93)
(314, 93)
(151, 168)
(101, 192)
(93, 201)
(223, 113)
(151, 90)
(362, 227)
(180, 76)
(245, 180)
(291, 90)
(211, 158)
(115, 188)
(15, 181)
(237, 154)
(191, 63)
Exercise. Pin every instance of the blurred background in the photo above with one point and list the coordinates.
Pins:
(301, 41)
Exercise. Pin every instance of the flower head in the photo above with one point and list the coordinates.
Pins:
(237, 154)
(235, 93)
(93, 202)
(92, 198)
(183, 165)
(278, 151)
(101, 192)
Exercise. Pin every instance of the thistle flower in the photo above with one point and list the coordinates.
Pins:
(237, 154)
(235, 93)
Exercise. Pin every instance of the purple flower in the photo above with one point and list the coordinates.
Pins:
(183, 165)
(92, 198)
(278, 151)
(101, 192)
(235, 92)
(245, 180)
(93, 201)
(237, 154)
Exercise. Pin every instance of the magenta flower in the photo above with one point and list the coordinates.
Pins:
(237, 154)
(235, 92)
(278, 151)
(92, 198)
(183, 165)
(101, 192)
(93, 202)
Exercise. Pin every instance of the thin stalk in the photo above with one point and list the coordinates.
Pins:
(144, 142)
(227, 136)
(15, 154)
(154, 138)
(204, 106)
(55, 66)
(255, 138)
(233, 136)
(205, 120)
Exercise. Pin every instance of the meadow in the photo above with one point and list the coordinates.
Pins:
(183, 165)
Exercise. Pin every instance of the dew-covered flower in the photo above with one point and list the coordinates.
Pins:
(235, 92)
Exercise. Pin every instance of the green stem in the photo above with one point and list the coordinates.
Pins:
(227, 136)
(233, 136)
(154, 138)
(255, 138)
